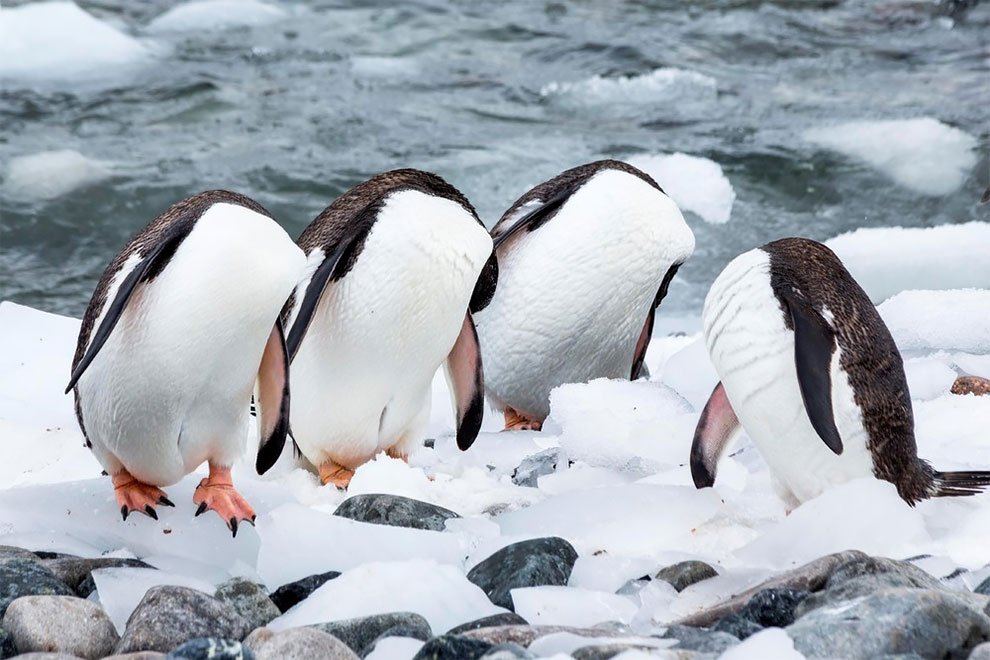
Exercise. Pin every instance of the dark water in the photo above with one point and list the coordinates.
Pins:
(295, 112)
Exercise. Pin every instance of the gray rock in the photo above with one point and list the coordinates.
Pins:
(684, 574)
(75, 571)
(524, 635)
(501, 619)
(535, 466)
(396, 511)
(168, 616)
(809, 577)
(607, 651)
(737, 625)
(403, 630)
(138, 655)
(297, 644)
(44, 655)
(983, 588)
(24, 577)
(453, 647)
(7, 648)
(289, 595)
(13, 552)
(64, 624)
(532, 563)
(507, 652)
(931, 623)
(359, 633)
(773, 608)
(980, 652)
(699, 639)
(210, 648)
(249, 600)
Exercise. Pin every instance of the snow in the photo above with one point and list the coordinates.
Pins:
(770, 643)
(696, 184)
(665, 85)
(888, 260)
(50, 174)
(59, 42)
(622, 495)
(923, 154)
(395, 648)
(205, 15)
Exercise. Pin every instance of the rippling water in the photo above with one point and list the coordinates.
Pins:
(495, 97)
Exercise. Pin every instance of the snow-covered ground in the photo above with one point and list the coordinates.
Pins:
(626, 502)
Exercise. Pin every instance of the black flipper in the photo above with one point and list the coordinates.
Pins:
(333, 268)
(151, 265)
(644, 338)
(535, 218)
(484, 288)
(466, 379)
(273, 399)
(814, 344)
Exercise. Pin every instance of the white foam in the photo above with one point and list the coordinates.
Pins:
(58, 41)
(887, 260)
(50, 174)
(203, 15)
(929, 320)
(665, 84)
(922, 154)
(696, 184)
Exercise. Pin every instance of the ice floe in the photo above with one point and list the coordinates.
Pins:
(202, 15)
(666, 84)
(51, 174)
(696, 184)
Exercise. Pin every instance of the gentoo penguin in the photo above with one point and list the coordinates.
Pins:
(584, 260)
(395, 268)
(181, 326)
(812, 374)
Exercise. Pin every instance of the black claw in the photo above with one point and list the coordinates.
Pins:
(253, 518)
(124, 512)
(233, 526)
(202, 509)
(164, 501)
(151, 511)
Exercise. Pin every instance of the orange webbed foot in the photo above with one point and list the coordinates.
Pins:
(134, 495)
(217, 492)
(336, 474)
(394, 452)
(515, 421)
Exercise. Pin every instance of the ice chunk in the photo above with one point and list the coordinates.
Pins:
(863, 514)
(696, 184)
(51, 174)
(661, 85)
(608, 573)
(888, 260)
(922, 154)
(375, 66)
(571, 606)
(691, 373)
(58, 41)
(215, 15)
(343, 544)
(395, 648)
(770, 643)
(441, 594)
(635, 427)
(121, 589)
(932, 320)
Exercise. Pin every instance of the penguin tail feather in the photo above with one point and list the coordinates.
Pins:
(960, 484)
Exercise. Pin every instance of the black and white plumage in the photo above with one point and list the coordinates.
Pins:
(584, 261)
(811, 372)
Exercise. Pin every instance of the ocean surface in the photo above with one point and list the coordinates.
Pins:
(823, 115)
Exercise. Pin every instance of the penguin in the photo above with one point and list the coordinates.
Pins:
(181, 327)
(812, 374)
(396, 267)
(584, 261)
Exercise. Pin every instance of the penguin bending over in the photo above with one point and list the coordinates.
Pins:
(811, 372)
(396, 267)
(182, 325)
(584, 261)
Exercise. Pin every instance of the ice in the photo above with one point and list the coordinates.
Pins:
(51, 174)
(562, 644)
(440, 593)
(922, 154)
(690, 373)
(571, 606)
(931, 320)
(215, 15)
(59, 42)
(696, 184)
(770, 643)
(888, 260)
(665, 85)
(121, 589)
(928, 378)
(608, 573)
(395, 648)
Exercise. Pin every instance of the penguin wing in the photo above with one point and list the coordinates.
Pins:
(273, 399)
(334, 266)
(814, 344)
(467, 383)
(643, 342)
(148, 268)
(716, 428)
(484, 288)
(535, 218)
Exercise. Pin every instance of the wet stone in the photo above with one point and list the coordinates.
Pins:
(537, 465)
(249, 600)
(78, 573)
(297, 644)
(682, 575)
(359, 633)
(7, 648)
(699, 639)
(971, 385)
(289, 595)
(453, 647)
(501, 619)
(210, 649)
(737, 625)
(396, 511)
(24, 577)
(530, 563)
(773, 608)
(983, 587)
(65, 624)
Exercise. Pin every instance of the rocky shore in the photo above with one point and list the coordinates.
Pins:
(846, 604)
